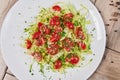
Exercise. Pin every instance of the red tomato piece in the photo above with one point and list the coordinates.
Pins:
(54, 37)
(68, 44)
(74, 60)
(44, 29)
(58, 29)
(67, 59)
(68, 16)
(28, 44)
(56, 8)
(53, 49)
(82, 45)
(47, 30)
(55, 21)
(79, 33)
(70, 25)
(37, 56)
(58, 64)
(40, 24)
(40, 41)
(36, 35)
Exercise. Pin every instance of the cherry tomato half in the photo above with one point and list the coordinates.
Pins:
(40, 41)
(82, 45)
(53, 49)
(58, 64)
(70, 25)
(47, 30)
(58, 29)
(36, 35)
(40, 24)
(55, 21)
(44, 29)
(74, 60)
(55, 37)
(37, 56)
(56, 8)
(68, 16)
(67, 44)
(28, 44)
(80, 33)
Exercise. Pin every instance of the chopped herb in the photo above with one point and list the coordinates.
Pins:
(25, 62)
(25, 21)
(76, 23)
(26, 29)
(30, 70)
(91, 60)
(32, 74)
(63, 34)
(19, 13)
(50, 77)
(41, 68)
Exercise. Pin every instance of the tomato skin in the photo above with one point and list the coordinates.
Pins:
(58, 29)
(68, 16)
(36, 35)
(55, 37)
(40, 41)
(28, 44)
(67, 44)
(56, 8)
(79, 33)
(70, 25)
(55, 21)
(47, 30)
(44, 29)
(74, 60)
(40, 24)
(58, 64)
(82, 45)
(37, 56)
(67, 59)
(53, 49)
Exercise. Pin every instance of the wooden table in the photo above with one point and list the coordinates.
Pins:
(109, 68)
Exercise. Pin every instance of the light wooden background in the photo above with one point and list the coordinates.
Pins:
(109, 68)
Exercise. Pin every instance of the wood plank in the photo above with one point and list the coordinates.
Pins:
(114, 37)
(9, 72)
(107, 8)
(109, 69)
(3, 68)
(93, 1)
(5, 5)
(99, 76)
(9, 77)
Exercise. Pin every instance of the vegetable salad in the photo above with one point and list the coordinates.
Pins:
(59, 37)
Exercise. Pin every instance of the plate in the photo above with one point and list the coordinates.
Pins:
(21, 15)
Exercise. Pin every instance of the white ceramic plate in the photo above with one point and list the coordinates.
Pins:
(13, 29)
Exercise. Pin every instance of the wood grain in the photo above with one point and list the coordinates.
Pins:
(93, 1)
(109, 69)
(9, 72)
(3, 67)
(5, 5)
(106, 11)
(9, 77)
(114, 37)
